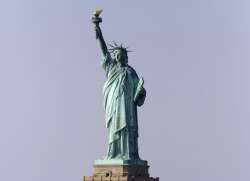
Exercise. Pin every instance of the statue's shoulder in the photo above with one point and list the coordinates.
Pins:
(131, 71)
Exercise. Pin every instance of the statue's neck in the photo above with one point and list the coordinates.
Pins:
(122, 65)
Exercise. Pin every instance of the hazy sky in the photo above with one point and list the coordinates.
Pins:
(195, 59)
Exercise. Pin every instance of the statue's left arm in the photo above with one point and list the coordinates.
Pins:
(140, 93)
(141, 97)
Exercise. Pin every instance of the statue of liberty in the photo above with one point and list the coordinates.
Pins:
(123, 92)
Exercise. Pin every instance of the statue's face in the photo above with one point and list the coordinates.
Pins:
(121, 56)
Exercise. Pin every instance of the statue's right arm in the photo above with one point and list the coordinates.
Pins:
(100, 38)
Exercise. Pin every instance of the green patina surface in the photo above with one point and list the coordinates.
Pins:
(123, 92)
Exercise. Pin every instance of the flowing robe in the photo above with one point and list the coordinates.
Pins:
(120, 105)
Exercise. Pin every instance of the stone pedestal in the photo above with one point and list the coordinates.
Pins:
(120, 173)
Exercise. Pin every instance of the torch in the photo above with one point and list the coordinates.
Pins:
(96, 19)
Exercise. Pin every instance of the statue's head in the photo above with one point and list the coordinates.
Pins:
(120, 54)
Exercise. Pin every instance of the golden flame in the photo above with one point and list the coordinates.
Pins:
(97, 12)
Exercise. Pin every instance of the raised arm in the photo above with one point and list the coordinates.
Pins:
(100, 39)
(97, 20)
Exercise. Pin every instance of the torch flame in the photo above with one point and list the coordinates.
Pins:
(97, 12)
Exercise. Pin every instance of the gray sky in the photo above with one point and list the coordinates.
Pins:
(194, 56)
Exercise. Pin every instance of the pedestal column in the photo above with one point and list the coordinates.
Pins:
(120, 173)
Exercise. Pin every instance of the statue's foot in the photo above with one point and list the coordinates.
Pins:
(120, 162)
